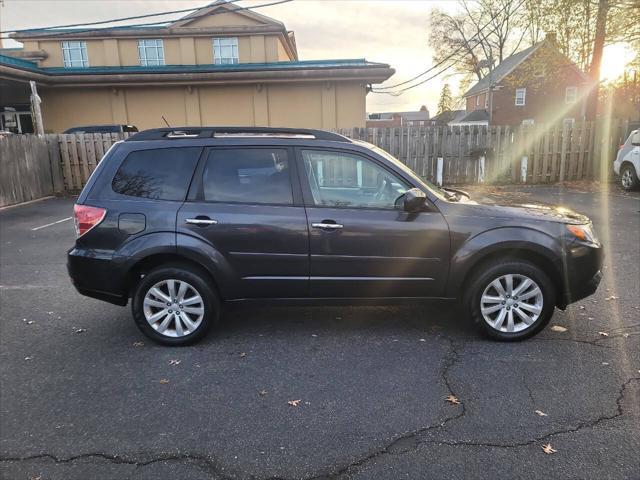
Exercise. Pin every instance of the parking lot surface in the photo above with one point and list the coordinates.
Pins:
(85, 396)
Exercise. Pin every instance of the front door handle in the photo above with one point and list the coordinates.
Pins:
(202, 222)
(327, 226)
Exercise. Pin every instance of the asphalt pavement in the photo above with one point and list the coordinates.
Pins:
(84, 395)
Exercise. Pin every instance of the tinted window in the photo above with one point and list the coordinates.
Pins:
(248, 175)
(341, 179)
(159, 174)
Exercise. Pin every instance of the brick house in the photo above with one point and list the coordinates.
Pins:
(399, 119)
(537, 85)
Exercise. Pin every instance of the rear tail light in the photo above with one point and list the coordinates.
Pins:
(86, 217)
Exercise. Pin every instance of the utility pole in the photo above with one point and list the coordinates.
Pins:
(36, 113)
(596, 59)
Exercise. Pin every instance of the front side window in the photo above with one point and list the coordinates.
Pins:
(74, 54)
(225, 50)
(338, 179)
(570, 94)
(151, 52)
(521, 94)
(248, 175)
(157, 174)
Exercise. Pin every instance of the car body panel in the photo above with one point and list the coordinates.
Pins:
(628, 153)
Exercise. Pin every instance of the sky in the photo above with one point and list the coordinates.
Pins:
(389, 31)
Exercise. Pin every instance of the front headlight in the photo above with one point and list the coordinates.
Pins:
(584, 232)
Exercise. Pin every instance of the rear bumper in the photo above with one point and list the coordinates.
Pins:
(583, 273)
(98, 275)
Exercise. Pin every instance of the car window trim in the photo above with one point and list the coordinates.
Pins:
(306, 188)
(196, 189)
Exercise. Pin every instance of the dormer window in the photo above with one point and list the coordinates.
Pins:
(74, 54)
(151, 52)
(225, 50)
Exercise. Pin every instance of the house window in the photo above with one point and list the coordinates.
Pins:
(570, 94)
(478, 101)
(74, 54)
(225, 50)
(486, 100)
(521, 94)
(528, 121)
(568, 122)
(151, 52)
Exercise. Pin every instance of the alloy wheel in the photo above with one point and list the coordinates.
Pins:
(627, 179)
(173, 308)
(511, 303)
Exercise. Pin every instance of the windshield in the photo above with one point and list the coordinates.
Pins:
(426, 183)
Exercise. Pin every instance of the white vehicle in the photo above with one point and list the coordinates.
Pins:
(627, 164)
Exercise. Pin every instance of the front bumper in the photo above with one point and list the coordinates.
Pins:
(583, 272)
(98, 275)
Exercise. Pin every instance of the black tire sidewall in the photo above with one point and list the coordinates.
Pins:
(634, 176)
(486, 275)
(194, 278)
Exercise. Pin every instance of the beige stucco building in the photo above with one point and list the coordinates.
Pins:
(220, 65)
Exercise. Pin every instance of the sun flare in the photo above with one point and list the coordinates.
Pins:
(615, 59)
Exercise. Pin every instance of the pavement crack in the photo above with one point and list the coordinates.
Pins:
(206, 463)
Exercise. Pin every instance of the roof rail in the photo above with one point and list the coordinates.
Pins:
(248, 132)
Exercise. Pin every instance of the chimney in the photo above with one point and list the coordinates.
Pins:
(423, 108)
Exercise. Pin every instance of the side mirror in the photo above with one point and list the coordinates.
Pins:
(414, 200)
(635, 139)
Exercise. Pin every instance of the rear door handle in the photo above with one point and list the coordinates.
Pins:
(327, 226)
(203, 222)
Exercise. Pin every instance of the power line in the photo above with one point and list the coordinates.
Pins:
(444, 60)
(107, 21)
(236, 9)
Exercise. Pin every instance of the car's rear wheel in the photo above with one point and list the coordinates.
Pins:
(175, 305)
(628, 177)
(510, 300)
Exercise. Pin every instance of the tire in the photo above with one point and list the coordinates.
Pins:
(482, 294)
(152, 300)
(628, 177)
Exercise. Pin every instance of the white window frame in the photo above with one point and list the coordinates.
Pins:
(73, 46)
(147, 46)
(528, 121)
(570, 95)
(477, 100)
(521, 94)
(225, 51)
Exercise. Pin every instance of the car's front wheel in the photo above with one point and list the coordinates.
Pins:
(175, 305)
(628, 177)
(511, 300)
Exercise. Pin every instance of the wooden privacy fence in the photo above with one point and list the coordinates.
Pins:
(32, 167)
(496, 154)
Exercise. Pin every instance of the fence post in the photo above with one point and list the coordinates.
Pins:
(523, 168)
(481, 169)
(439, 171)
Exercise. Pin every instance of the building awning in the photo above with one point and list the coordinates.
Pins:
(291, 71)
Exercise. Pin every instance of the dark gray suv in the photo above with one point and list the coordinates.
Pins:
(181, 220)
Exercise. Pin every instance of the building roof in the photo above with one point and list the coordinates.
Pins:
(475, 116)
(355, 69)
(411, 116)
(502, 69)
(449, 116)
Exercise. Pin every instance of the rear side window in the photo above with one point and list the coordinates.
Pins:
(157, 174)
(248, 175)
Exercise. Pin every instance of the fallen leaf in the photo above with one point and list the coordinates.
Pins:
(582, 307)
(174, 362)
(558, 328)
(453, 400)
(263, 393)
(28, 358)
(605, 363)
(30, 322)
(612, 297)
(138, 344)
(625, 335)
(603, 334)
(243, 354)
(36, 478)
(294, 403)
(314, 335)
(548, 449)
(423, 340)
(164, 381)
(540, 413)
(589, 318)
(81, 330)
